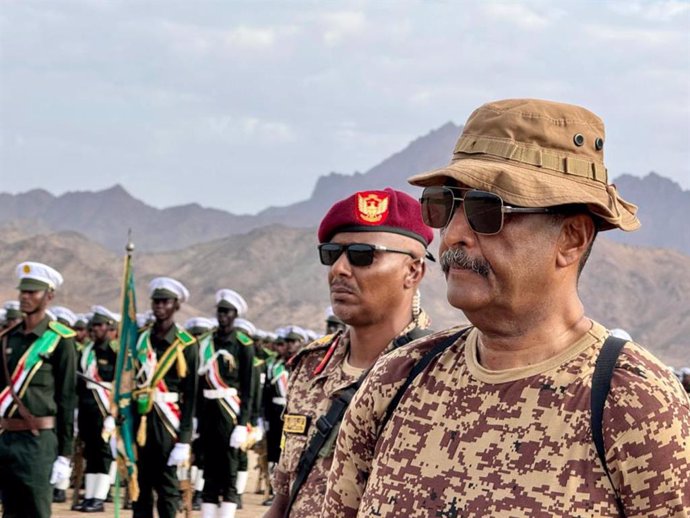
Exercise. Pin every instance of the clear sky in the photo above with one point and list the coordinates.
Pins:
(242, 105)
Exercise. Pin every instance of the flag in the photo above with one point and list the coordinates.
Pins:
(122, 408)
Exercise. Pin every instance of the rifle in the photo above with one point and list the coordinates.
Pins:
(263, 482)
(186, 487)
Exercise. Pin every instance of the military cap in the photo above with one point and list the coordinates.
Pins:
(293, 332)
(168, 288)
(3, 315)
(12, 308)
(144, 318)
(198, 325)
(376, 211)
(331, 317)
(64, 315)
(82, 321)
(230, 299)
(102, 315)
(244, 325)
(37, 277)
(536, 153)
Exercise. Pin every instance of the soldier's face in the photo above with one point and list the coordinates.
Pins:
(366, 295)
(498, 275)
(164, 309)
(33, 301)
(100, 332)
(225, 316)
(282, 349)
(81, 334)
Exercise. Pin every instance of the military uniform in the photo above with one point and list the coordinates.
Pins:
(226, 384)
(319, 372)
(165, 408)
(467, 441)
(26, 459)
(97, 362)
(274, 394)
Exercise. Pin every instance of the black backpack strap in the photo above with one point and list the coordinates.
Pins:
(601, 385)
(417, 369)
(332, 418)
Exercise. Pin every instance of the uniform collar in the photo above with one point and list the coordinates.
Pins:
(39, 329)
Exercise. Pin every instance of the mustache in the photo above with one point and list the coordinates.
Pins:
(457, 258)
(341, 285)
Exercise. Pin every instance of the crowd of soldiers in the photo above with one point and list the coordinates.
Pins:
(532, 410)
(224, 396)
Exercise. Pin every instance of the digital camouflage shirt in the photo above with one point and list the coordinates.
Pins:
(319, 371)
(466, 441)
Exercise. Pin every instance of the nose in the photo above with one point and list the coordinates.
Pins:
(341, 267)
(458, 231)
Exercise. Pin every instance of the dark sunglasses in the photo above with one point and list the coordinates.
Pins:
(483, 210)
(358, 254)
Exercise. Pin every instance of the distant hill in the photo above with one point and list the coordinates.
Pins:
(644, 290)
(105, 216)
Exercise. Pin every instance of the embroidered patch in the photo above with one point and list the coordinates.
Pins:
(372, 207)
(296, 424)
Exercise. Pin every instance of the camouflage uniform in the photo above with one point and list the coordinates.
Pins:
(466, 441)
(320, 370)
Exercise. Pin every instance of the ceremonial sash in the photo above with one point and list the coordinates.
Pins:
(279, 378)
(151, 388)
(230, 403)
(25, 370)
(89, 366)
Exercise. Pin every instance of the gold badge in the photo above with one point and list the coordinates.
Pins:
(26, 269)
(372, 207)
(296, 424)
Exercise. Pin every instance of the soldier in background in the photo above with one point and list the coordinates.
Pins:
(198, 327)
(226, 359)
(37, 410)
(166, 364)
(81, 328)
(13, 314)
(94, 387)
(374, 244)
(333, 323)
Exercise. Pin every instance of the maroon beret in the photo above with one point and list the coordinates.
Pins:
(376, 211)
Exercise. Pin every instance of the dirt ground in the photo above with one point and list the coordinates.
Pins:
(251, 500)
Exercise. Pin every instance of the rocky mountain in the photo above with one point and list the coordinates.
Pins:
(105, 216)
(644, 290)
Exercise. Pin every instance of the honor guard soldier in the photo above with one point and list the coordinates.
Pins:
(226, 369)
(374, 244)
(37, 398)
(81, 328)
(535, 410)
(94, 388)
(166, 363)
(197, 327)
(14, 314)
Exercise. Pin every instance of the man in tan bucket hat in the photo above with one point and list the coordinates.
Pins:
(534, 410)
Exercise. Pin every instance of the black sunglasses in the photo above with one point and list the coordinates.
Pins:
(359, 254)
(483, 210)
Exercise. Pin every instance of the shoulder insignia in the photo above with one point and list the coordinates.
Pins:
(184, 337)
(114, 345)
(61, 329)
(258, 362)
(244, 339)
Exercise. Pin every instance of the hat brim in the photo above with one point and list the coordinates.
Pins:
(534, 187)
(162, 293)
(29, 284)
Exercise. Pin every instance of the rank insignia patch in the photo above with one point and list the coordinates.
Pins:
(296, 424)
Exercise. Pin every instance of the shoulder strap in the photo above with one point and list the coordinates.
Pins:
(601, 385)
(61, 329)
(326, 423)
(417, 369)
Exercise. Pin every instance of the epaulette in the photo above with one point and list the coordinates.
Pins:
(325, 342)
(114, 345)
(185, 337)
(258, 362)
(61, 329)
(244, 339)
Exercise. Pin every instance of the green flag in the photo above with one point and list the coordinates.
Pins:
(124, 381)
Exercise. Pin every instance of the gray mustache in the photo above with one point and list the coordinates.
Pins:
(456, 258)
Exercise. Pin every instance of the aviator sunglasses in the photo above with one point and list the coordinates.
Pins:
(483, 210)
(358, 254)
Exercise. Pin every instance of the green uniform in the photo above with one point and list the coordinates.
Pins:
(161, 436)
(92, 409)
(231, 366)
(26, 460)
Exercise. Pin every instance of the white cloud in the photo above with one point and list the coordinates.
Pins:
(339, 26)
(517, 14)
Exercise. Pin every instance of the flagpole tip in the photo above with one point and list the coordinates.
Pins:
(130, 247)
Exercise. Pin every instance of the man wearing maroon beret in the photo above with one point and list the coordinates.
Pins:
(374, 244)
